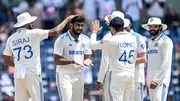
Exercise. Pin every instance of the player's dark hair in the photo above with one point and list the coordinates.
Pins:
(119, 29)
(78, 19)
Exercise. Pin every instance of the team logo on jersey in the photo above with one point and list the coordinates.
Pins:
(142, 46)
(156, 44)
(70, 44)
(82, 45)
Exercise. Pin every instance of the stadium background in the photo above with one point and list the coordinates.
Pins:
(52, 12)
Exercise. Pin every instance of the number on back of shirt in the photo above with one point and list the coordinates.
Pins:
(127, 59)
(28, 52)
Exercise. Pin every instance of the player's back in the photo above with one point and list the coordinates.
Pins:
(122, 52)
(25, 47)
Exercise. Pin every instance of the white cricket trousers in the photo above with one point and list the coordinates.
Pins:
(29, 87)
(121, 86)
(70, 86)
(159, 93)
(105, 94)
(138, 91)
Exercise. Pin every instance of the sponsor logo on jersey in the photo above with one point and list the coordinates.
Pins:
(76, 52)
(70, 44)
(153, 51)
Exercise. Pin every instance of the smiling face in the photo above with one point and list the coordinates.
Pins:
(77, 25)
(77, 28)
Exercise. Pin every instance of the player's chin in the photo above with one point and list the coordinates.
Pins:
(79, 31)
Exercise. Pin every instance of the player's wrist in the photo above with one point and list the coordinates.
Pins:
(154, 82)
(72, 62)
(68, 19)
(94, 32)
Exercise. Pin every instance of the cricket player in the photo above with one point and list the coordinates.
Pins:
(71, 53)
(102, 81)
(159, 53)
(140, 60)
(23, 52)
(121, 48)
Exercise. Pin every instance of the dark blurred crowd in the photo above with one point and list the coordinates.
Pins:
(52, 12)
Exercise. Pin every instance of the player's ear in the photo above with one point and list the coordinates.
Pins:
(70, 25)
(160, 28)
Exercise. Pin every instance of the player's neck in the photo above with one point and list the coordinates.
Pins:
(74, 35)
(154, 37)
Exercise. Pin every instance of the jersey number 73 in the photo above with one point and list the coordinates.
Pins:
(28, 53)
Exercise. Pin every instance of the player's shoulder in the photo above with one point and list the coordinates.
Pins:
(136, 34)
(166, 39)
(108, 34)
(12, 36)
(35, 30)
(63, 36)
(84, 36)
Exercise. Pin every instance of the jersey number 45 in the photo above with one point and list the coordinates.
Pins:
(127, 59)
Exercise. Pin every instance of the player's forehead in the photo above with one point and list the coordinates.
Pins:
(78, 23)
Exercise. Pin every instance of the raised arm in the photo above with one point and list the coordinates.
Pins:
(60, 27)
(96, 45)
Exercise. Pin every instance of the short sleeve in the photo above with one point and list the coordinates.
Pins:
(141, 44)
(58, 47)
(7, 50)
(42, 34)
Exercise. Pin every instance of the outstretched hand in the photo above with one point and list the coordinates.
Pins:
(96, 26)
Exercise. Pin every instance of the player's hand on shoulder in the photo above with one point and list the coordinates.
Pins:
(88, 62)
(99, 86)
(96, 26)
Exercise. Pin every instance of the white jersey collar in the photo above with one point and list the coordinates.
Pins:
(157, 38)
(124, 32)
(72, 38)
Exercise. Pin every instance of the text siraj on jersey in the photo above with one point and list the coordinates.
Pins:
(20, 41)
